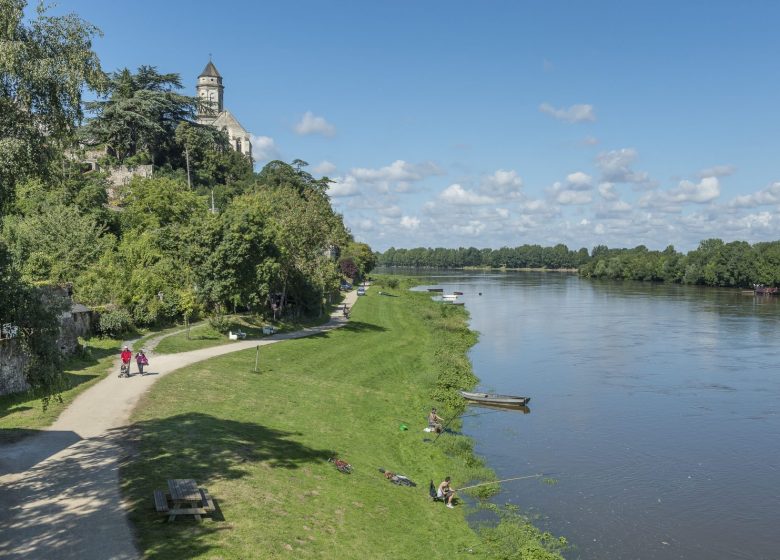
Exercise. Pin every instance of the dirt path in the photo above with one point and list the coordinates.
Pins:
(59, 490)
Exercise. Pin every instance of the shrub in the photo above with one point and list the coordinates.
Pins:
(114, 323)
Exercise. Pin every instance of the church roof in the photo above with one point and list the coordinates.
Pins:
(210, 71)
(228, 120)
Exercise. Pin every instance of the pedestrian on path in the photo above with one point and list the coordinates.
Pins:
(142, 361)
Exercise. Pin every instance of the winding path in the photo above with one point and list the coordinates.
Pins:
(59, 490)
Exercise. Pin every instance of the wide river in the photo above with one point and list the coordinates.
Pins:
(655, 407)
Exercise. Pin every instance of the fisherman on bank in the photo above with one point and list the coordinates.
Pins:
(446, 492)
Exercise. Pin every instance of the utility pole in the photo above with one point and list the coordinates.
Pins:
(187, 157)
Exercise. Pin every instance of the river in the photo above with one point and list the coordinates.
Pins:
(654, 407)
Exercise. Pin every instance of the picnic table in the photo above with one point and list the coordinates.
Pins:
(183, 498)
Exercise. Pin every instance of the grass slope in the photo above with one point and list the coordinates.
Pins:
(260, 444)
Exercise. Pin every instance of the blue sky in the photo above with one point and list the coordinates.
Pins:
(495, 123)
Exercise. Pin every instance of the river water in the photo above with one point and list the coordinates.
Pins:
(656, 408)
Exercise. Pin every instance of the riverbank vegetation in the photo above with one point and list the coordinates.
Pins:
(204, 235)
(261, 442)
(714, 262)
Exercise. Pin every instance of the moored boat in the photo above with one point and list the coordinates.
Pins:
(765, 290)
(492, 398)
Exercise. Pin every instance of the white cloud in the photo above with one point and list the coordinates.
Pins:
(502, 183)
(410, 222)
(765, 197)
(343, 186)
(390, 211)
(706, 190)
(717, 171)
(312, 124)
(615, 167)
(324, 168)
(398, 171)
(574, 114)
(263, 148)
(607, 191)
(579, 179)
(455, 194)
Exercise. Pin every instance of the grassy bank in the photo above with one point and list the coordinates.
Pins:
(204, 335)
(260, 444)
(22, 415)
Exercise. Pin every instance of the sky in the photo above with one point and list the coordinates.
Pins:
(490, 124)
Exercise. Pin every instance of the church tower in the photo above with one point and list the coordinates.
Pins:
(210, 90)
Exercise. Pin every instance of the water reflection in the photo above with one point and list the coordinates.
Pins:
(655, 405)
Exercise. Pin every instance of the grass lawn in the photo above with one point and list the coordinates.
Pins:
(203, 335)
(260, 443)
(22, 415)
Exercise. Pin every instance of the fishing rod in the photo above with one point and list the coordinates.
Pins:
(504, 480)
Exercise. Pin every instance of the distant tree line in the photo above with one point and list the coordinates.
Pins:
(713, 263)
(525, 256)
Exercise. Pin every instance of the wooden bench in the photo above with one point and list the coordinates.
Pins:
(206, 501)
(160, 502)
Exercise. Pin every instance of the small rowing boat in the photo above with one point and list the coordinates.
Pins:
(492, 398)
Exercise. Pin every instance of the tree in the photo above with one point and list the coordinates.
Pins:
(44, 67)
(139, 114)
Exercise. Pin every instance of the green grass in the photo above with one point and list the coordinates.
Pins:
(204, 335)
(260, 442)
(22, 415)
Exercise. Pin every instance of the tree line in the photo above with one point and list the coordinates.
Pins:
(713, 263)
(205, 235)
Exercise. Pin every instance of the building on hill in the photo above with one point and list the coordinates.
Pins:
(211, 92)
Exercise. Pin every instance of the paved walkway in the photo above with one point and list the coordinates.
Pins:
(59, 490)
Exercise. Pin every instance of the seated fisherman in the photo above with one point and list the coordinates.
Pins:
(435, 421)
(446, 492)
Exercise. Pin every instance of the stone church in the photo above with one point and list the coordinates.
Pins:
(211, 90)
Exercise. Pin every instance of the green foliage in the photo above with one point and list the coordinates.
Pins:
(138, 114)
(33, 314)
(515, 538)
(114, 323)
(525, 256)
(45, 64)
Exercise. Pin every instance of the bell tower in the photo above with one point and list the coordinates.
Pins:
(210, 91)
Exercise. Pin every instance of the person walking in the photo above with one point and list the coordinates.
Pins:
(141, 360)
(126, 356)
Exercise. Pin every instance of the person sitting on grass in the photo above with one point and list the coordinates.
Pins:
(446, 492)
(435, 421)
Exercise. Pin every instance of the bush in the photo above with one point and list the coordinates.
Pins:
(219, 323)
(114, 323)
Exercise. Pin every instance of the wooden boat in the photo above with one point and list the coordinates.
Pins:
(435, 289)
(492, 398)
(760, 289)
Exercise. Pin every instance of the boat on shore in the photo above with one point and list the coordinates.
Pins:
(760, 289)
(493, 398)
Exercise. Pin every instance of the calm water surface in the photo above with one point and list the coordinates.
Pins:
(655, 407)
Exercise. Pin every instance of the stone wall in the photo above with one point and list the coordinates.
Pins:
(12, 361)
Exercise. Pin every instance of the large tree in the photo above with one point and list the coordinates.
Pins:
(45, 65)
(139, 114)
